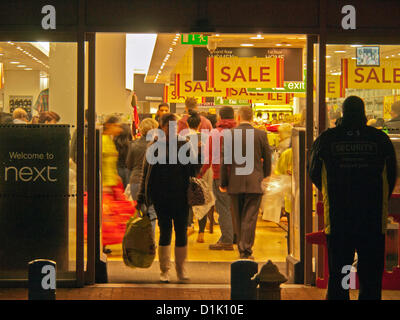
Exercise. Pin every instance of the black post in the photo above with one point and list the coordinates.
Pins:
(42, 280)
(242, 285)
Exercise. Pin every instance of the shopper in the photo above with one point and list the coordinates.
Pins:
(110, 177)
(166, 187)
(393, 125)
(122, 142)
(285, 137)
(20, 116)
(49, 117)
(194, 122)
(245, 189)
(354, 166)
(222, 199)
(191, 104)
(134, 163)
(163, 108)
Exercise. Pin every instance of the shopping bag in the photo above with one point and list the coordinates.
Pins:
(138, 246)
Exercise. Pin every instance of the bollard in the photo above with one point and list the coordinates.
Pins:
(269, 280)
(42, 280)
(242, 285)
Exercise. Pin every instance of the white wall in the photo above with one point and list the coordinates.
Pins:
(20, 83)
(111, 95)
(63, 81)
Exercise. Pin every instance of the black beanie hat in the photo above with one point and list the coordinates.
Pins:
(227, 112)
(354, 112)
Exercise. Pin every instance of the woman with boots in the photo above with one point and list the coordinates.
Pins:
(164, 184)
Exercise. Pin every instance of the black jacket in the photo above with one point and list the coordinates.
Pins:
(355, 168)
(166, 182)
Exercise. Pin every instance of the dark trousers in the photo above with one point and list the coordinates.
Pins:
(371, 253)
(245, 208)
(174, 212)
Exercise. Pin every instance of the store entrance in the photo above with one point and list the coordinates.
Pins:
(169, 68)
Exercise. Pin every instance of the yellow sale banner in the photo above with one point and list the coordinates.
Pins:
(333, 86)
(170, 95)
(386, 76)
(266, 97)
(189, 88)
(237, 72)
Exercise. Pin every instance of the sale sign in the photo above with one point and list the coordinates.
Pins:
(334, 89)
(189, 88)
(386, 76)
(235, 72)
(269, 98)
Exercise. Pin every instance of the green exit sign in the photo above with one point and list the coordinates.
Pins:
(194, 39)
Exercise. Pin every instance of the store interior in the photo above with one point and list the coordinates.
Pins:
(147, 64)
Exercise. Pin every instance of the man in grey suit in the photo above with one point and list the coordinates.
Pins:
(242, 172)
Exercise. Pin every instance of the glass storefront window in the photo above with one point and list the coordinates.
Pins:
(38, 105)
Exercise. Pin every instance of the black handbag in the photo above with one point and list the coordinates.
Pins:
(198, 193)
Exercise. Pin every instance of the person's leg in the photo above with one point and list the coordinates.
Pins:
(164, 244)
(370, 267)
(251, 205)
(180, 219)
(340, 253)
(202, 224)
(223, 207)
(164, 222)
(236, 200)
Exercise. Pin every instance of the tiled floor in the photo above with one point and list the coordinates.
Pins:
(270, 244)
(174, 292)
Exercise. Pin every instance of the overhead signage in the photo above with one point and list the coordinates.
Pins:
(288, 87)
(385, 76)
(267, 98)
(194, 39)
(334, 89)
(293, 59)
(245, 72)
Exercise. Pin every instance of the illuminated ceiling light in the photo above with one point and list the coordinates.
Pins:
(247, 45)
(387, 57)
(327, 57)
(217, 35)
(14, 62)
(279, 44)
(340, 51)
(353, 58)
(392, 55)
(2, 54)
(21, 66)
(178, 34)
(356, 45)
(28, 69)
(288, 45)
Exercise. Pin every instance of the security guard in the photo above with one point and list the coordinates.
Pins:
(354, 166)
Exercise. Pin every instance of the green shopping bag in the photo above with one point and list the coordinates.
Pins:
(138, 246)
